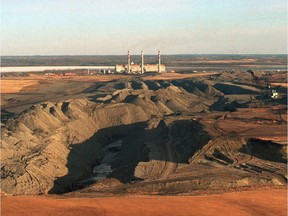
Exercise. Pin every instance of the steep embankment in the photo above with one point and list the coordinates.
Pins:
(51, 145)
(169, 136)
(36, 145)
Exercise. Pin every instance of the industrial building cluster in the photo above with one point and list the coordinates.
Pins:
(140, 68)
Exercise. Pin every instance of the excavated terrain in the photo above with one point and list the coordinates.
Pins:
(146, 137)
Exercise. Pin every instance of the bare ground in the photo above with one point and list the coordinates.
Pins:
(257, 202)
(178, 136)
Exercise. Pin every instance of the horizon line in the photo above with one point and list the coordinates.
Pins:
(48, 55)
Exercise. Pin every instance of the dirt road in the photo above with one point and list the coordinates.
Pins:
(171, 158)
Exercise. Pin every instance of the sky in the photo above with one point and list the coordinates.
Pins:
(108, 27)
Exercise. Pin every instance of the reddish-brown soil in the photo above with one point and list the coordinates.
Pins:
(280, 84)
(15, 85)
(253, 122)
(199, 136)
(259, 202)
(104, 78)
(171, 76)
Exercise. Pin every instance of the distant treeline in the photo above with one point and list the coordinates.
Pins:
(168, 60)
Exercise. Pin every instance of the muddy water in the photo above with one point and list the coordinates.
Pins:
(102, 170)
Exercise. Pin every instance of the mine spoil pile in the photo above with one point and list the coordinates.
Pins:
(177, 136)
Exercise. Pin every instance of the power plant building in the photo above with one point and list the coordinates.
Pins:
(140, 68)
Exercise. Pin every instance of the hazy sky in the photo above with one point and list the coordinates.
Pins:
(87, 27)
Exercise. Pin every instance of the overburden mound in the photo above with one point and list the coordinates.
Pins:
(155, 134)
(37, 143)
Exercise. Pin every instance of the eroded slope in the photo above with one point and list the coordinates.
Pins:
(171, 141)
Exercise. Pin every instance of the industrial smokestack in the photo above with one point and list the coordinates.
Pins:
(159, 62)
(142, 62)
(129, 60)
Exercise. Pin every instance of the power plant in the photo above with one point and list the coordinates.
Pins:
(140, 68)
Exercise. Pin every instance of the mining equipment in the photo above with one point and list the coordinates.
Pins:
(268, 92)
(273, 94)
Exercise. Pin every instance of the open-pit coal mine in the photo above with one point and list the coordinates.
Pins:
(145, 136)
